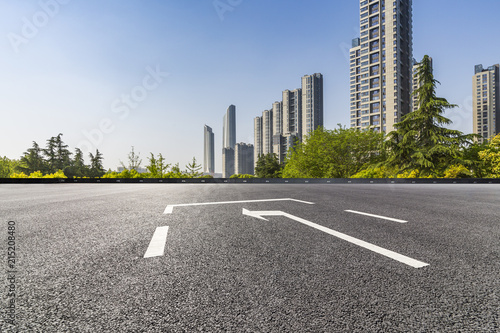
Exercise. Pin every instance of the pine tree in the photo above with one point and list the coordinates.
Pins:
(420, 141)
(193, 169)
(32, 160)
(96, 167)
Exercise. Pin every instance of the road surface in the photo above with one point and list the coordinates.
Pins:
(251, 258)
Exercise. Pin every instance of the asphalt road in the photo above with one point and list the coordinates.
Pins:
(80, 264)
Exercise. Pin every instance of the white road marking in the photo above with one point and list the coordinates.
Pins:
(377, 249)
(170, 208)
(377, 216)
(157, 245)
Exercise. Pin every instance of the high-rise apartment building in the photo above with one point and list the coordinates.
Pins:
(292, 112)
(208, 151)
(381, 65)
(244, 164)
(267, 132)
(277, 118)
(228, 141)
(257, 130)
(485, 85)
(312, 103)
(416, 84)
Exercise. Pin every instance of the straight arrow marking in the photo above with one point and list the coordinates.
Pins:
(377, 249)
(170, 208)
(157, 245)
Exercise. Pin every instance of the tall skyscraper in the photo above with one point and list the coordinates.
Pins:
(312, 103)
(244, 164)
(208, 151)
(485, 85)
(415, 85)
(381, 65)
(228, 141)
(229, 128)
(257, 130)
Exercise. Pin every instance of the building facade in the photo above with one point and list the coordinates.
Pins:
(208, 151)
(381, 65)
(312, 103)
(485, 85)
(244, 163)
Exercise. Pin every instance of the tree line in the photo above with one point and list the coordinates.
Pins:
(53, 161)
(57, 161)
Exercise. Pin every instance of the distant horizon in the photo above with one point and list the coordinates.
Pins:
(150, 75)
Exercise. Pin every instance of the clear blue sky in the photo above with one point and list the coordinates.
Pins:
(65, 68)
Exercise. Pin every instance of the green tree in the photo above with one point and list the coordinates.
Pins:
(32, 160)
(175, 172)
(50, 153)
(157, 167)
(7, 167)
(77, 166)
(268, 166)
(491, 158)
(134, 161)
(472, 160)
(419, 141)
(96, 167)
(193, 169)
(339, 153)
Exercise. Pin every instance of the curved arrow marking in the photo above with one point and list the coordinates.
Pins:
(377, 249)
(170, 208)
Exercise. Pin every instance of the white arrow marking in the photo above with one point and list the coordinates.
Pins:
(377, 216)
(390, 254)
(170, 208)
(157, 245)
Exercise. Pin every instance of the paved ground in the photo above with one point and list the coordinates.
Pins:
(81, 268)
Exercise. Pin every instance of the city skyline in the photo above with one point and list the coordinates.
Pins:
(290, 120)
(83, 72)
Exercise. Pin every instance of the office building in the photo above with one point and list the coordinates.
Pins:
(485, 85)
(381, 65)
(312, 103)
(208, 151)
(244, 163)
